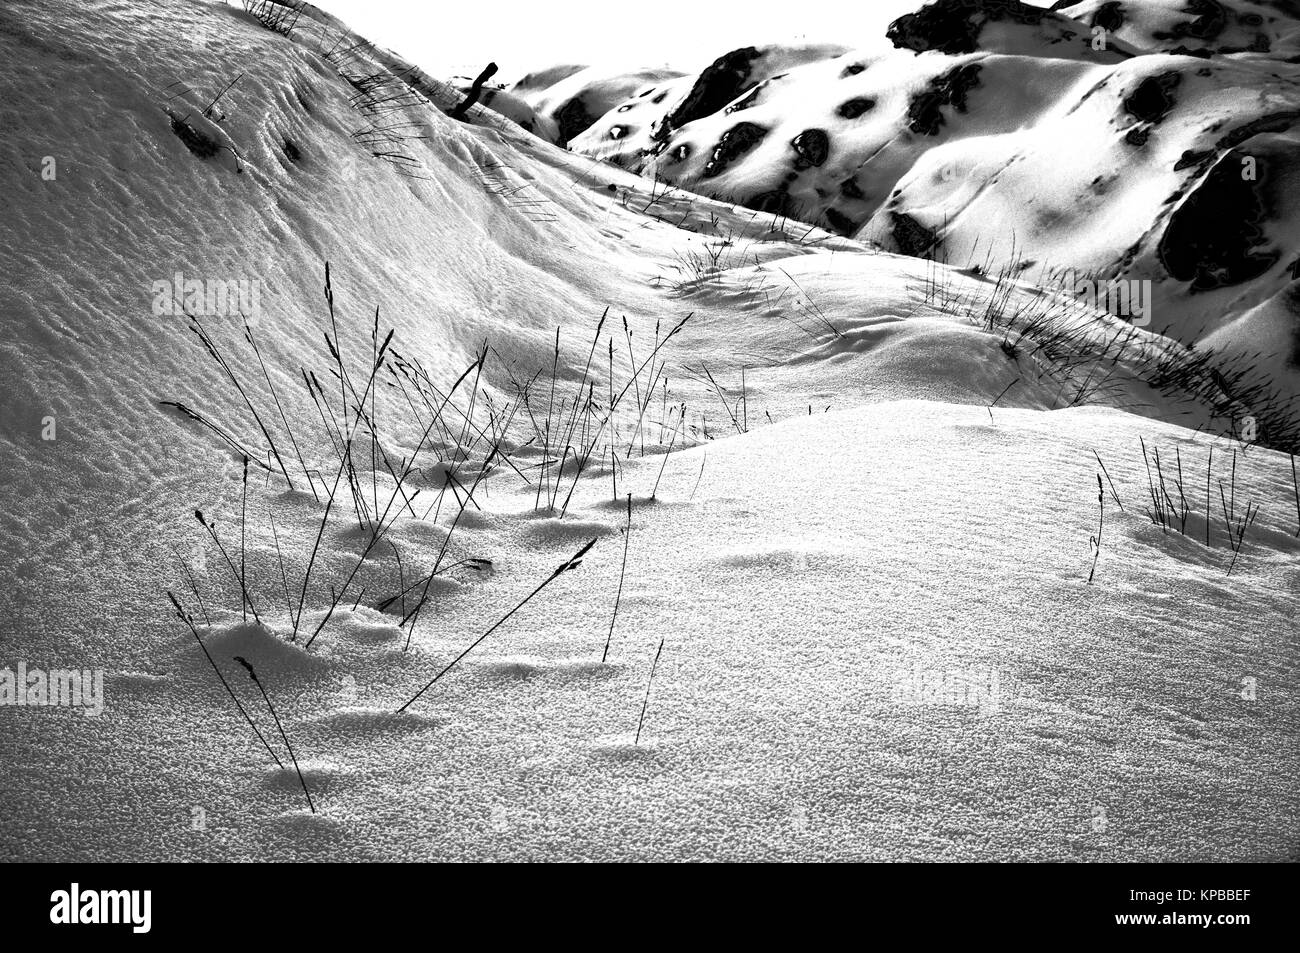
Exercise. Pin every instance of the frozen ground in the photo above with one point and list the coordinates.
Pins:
(878, 638)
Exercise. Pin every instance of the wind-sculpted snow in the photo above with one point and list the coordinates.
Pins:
(856, 474)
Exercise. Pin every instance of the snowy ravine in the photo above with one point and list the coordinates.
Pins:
(857, 563)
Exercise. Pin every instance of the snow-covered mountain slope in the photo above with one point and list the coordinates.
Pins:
(1268, 28)
(573, 101)
(998, 26)
(1115, 142)
(855, 475)
(514, 107)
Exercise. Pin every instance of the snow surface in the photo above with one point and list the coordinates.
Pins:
(911, 505)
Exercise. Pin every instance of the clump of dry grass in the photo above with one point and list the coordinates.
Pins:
(278, 15)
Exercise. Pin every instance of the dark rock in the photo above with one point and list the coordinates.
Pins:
(1215, 239)
(1153, 98)
(572, 118)
(1193, 157)
(925, 111)
(911, 237)
(1210, 20)
(855, 107)
(1275, 122)
(839, 222)
(953, 26)
(717, 85)
(732, 144)
(1109, 16)
(812, 147)
(775, 201)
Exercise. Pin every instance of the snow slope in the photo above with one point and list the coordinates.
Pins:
(910, 503)
(1137, 141)
(1260, 28)
(574, 101)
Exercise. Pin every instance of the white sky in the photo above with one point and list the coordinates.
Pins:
(461, 36)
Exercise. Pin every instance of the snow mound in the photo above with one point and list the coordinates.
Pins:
(259, 645)
(523, 667)
(364, 720)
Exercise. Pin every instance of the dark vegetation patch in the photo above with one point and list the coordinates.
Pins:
(839, 222)
(774, 202)
(1210, 18)
(850, 189)
(925, 111)
(911, 237)
(1109, 16)
(953, 26)
(1153, 98)
(1274, 122)
(721, 82)
(855, 107)
(572, 118)
(733, 144)
(1213, 240)
(1193, 157)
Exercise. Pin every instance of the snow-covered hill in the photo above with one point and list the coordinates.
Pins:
(853, 579)
(1139, 141)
